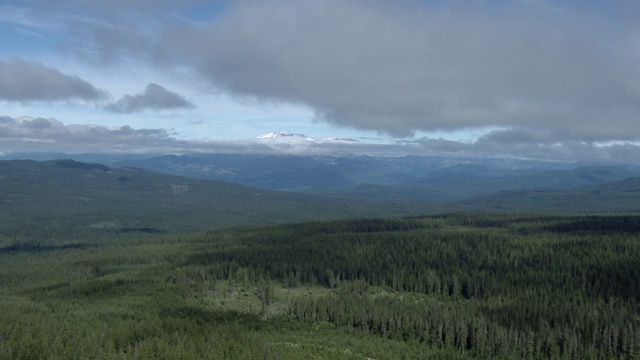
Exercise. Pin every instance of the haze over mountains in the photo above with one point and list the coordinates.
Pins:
(67, 194)
(454, 178)
(446, 183)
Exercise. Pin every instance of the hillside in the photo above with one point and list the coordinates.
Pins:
(621, 196)
(69, 194)
(128, 275)
(286, 172)
(413, 178)
(66, 193)
(460, 182)
(430, 287)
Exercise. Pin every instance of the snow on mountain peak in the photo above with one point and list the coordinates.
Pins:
(285, 136)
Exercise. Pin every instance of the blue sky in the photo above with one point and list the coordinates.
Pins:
(523, 78)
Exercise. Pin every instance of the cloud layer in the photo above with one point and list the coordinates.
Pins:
(554, 79)
(40, 134)
(22, 80)
(154, 97)
(402, 68)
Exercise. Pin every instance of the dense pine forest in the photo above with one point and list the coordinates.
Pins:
(442, 286)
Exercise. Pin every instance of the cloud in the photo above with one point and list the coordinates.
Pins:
(552, 75)
(38, 123)
(400, 67)
(399, 72)
(533, 144)
(22, 80)
(40, 134)
(51, 135)
(154, 97)
(403, 67)
(23, 17)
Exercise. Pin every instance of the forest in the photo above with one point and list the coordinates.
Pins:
(448, 286)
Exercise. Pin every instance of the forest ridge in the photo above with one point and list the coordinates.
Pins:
(144, 265)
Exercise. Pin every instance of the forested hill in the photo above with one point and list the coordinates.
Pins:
(66, 193)
(431, 287)
(621, 196)
(127, 278)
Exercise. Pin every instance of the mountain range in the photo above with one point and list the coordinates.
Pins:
(434, 179)
(442, 182)
(70, 194)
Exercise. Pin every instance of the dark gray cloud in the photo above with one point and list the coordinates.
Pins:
(399, 67)
(22, 80)
(37, 123)
(154, 97)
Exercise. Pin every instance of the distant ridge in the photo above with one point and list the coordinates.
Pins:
(620, 196)
(69, 193)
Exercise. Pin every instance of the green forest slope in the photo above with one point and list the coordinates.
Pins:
(66, 194)
(620, 197)
(106, 263)
(447, 286)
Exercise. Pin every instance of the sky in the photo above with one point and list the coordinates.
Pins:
(544, 79)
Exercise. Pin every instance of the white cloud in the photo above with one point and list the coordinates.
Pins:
(20, 134)
(51, 135)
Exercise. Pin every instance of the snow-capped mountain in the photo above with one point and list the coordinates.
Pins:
(286, 136)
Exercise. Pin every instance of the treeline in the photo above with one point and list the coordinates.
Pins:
(450, 260)
(448, 286)
(479, 329)
(500, 285)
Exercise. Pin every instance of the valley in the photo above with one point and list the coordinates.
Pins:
(335, 179)
(99, 261)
